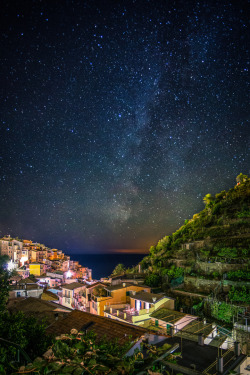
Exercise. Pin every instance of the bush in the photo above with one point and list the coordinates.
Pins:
(153, 280)
(238, 275)
(241, 294)
(223, 311)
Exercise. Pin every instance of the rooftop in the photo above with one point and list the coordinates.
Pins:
(27, 280)
(198, 358)
(102, 326)
(95, 284)
(72, 286)
(148, 297)
(167, 315)
(49, 296)
(38, 308)
(118, 286)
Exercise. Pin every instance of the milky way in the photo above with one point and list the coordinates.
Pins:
(117, 117)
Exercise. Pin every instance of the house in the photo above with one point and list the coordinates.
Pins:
(37, 269)
(104, 327)
(138, 311)
(56, 275)
(166, 318)
(48, 281)
(86, 297)
(11, 247)
(25, 288)
(71, 295)
(118, 294)
(23, 271)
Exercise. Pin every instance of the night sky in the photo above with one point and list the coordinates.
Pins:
(118, 117)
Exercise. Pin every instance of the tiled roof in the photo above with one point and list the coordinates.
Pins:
(147, 297)
(38, 308)
(72, 286)
(95, 284)
(118, 286)
(102, 326)
(49, 296)
(27, 281)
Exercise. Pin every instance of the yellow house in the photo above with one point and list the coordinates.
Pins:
(113, 295)
(36, 269)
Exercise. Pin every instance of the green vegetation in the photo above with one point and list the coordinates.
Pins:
(28, 333)
(119, 269)
(238, 275)
(223, 311)
(173, 272)
(153, 280)
(80, 354)
(218, 224)
(241, 294)
(4, 283)
(99, 291)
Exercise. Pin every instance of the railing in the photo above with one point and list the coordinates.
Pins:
(212, 369)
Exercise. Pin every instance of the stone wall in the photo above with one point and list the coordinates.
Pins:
(195, 284)
(219, 267)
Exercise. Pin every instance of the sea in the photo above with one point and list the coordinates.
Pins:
(102, 265)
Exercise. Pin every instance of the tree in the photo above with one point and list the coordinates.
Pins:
(241, 178)
(208, 199)
(119, 269)
(28, 333)
(153, 280)
(99, 291)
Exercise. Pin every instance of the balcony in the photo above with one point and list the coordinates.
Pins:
(124, 312)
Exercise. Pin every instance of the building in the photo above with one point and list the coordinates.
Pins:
(37, 269)
(25, 288)
(139, 309)
(11, 247)
(118, 294)
(71, 295)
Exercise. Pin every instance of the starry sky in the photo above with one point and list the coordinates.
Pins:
(118, 117)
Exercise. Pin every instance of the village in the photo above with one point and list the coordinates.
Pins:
(47, 284)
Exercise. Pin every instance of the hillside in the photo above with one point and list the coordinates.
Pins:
(205, 263)
(221, 232)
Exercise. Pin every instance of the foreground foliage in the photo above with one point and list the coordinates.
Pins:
(4, 282)
(80, 353)
(26, 333)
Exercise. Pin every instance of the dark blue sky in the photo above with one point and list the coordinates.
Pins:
(117, 117)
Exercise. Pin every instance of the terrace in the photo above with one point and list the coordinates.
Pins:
(121, 311)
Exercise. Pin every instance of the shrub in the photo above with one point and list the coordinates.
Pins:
(241, 294)
(153, 280)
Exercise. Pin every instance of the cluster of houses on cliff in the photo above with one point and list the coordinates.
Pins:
(47, 284)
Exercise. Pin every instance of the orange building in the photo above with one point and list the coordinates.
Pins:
(113, 295)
